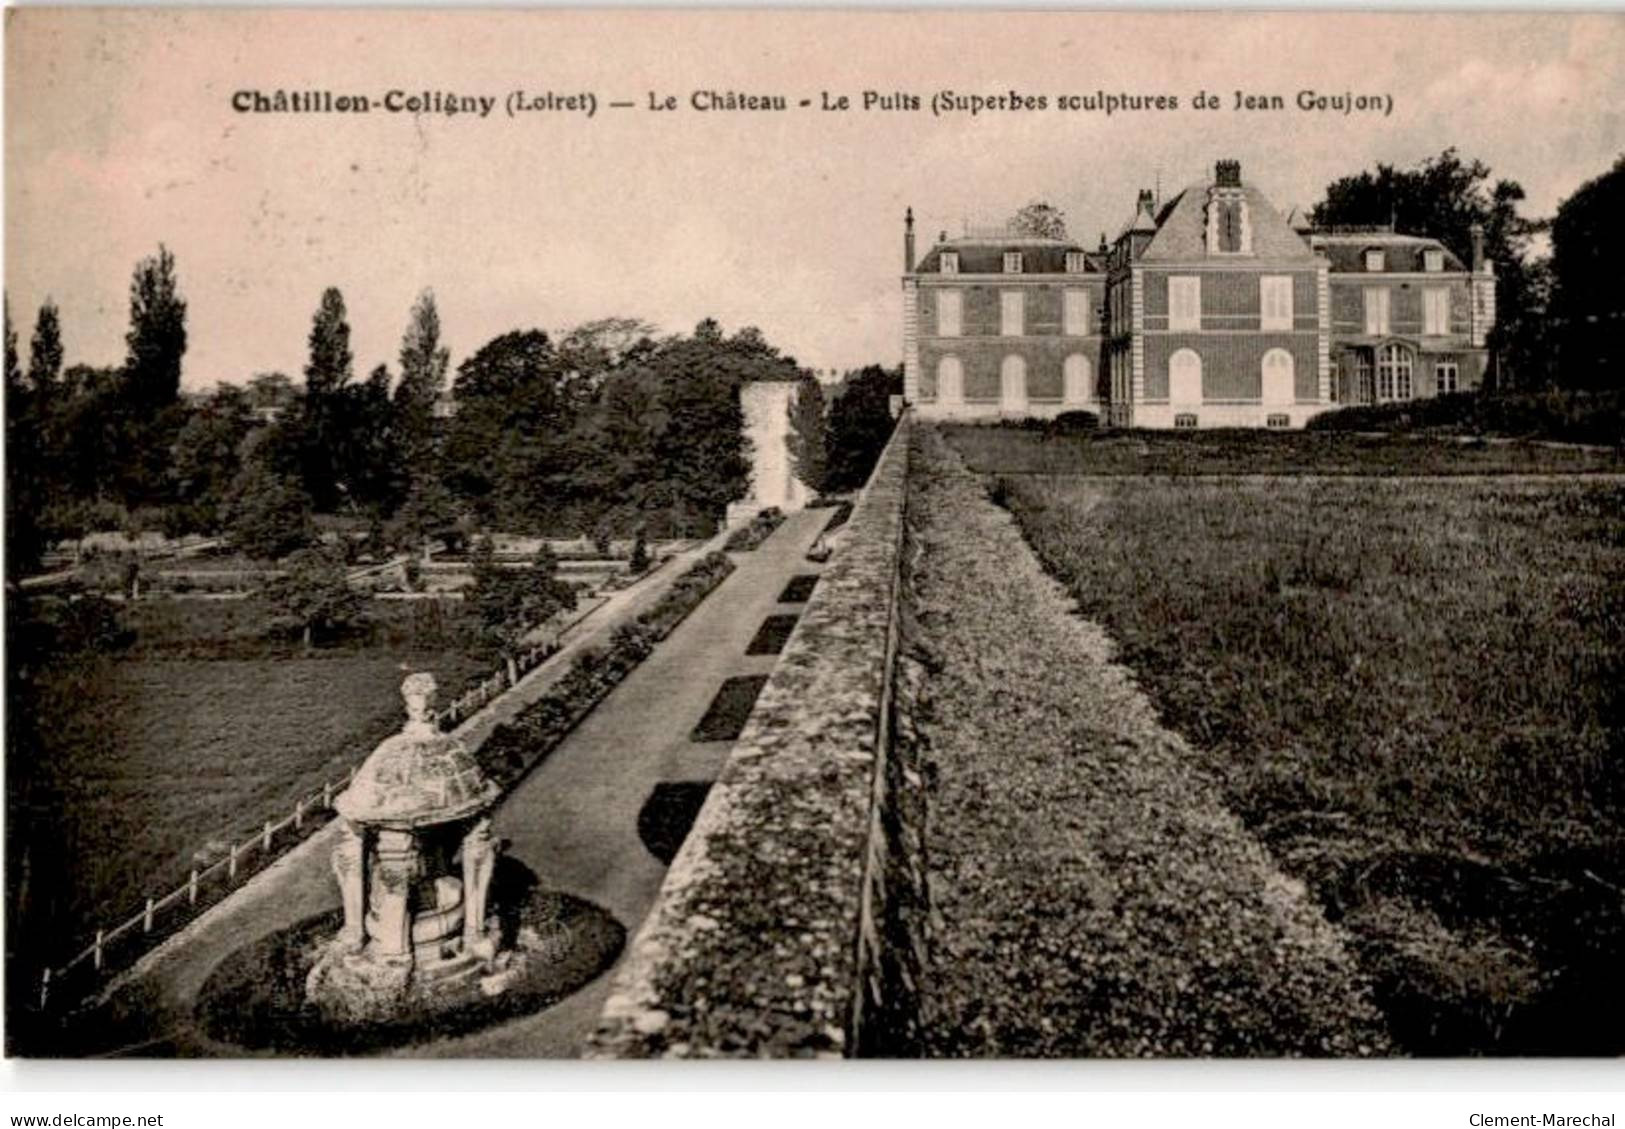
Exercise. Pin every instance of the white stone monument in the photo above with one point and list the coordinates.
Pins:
(773, 480)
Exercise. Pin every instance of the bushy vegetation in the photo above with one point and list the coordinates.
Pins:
(1596, 417)
(758, 529)
(513, 749)
(1413, 692)
(1015, 451)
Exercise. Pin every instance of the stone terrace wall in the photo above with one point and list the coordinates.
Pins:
(772, 935)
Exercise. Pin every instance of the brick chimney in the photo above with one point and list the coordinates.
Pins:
(1477, 232)
(908, 241)
(1227, 174)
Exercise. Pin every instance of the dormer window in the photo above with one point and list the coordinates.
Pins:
(950, 262)
(1374, 259)
(1229, 228)
(1433, 259)
(1074, 262)
(1012, 262)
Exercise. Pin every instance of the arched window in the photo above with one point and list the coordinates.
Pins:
(1013, 381)
(1077, 380)
(1393, 373)
(1185, 377)
(950, 380)
(1044, 383)
(1277, 377)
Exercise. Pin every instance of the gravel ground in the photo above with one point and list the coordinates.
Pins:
(1091, 894)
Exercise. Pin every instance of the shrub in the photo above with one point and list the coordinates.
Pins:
(761, 527)
(1074, 423)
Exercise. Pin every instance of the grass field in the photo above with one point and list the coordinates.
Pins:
(140, 760)
(1011, 450)
(1414, 693)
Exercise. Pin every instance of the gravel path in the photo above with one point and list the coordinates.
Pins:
(1091, 894)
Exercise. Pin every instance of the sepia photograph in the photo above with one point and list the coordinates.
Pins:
(787, 534)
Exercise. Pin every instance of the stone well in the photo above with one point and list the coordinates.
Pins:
(414, 865)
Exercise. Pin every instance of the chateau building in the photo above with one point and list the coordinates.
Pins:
(1210, 310)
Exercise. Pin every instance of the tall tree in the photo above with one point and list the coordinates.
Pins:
(1588, 244)
(268, 513)
(510, 602)
(156, 341)
(1446, 197)
(1039, 219)
(25, 541)
(806, 438)
(423, 381)
(327, 373)
(45, 352)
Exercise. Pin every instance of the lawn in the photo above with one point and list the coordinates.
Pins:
(1016, 450)
(1414, 693)
(139, 760)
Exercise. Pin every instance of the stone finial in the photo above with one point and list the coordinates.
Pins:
(419, 690)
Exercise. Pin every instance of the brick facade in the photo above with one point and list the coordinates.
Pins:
(1210, 310)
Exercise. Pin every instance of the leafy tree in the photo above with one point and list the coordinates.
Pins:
(1446, 197)
(593, 349)
(508, 446)
(806, 438)
(156, 340)
(327, 373)
(208, 455)
(510, 602)
(268, 513)
(314, 592)
(272, 390)
(860, 423)
(1588, 244)
(429, 511)
(1041, 220)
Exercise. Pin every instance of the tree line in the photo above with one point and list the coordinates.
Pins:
(609, 428)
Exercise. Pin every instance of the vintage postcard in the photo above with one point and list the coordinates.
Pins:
(814, 534)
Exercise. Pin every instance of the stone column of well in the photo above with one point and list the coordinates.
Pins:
(395, 865)
(479, 863)
(349, 867)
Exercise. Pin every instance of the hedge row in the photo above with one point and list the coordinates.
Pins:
(1555, 414)
(514, 748)
(747, 537)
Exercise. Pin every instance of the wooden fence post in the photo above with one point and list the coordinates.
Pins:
(146, 916)
(231, 866)
(97, 955)
(45, 987)
(265, 842)
(191, 888)
(299, 813)
(327, 794)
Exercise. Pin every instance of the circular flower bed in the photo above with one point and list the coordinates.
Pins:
(256, 998)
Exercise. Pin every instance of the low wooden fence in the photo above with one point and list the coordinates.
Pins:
(203, 886)
(210, 883)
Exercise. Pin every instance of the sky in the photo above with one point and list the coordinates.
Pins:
(121, 134)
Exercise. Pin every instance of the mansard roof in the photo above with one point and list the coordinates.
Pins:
(1182, 229)
(985, 255)
(1403, 253)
